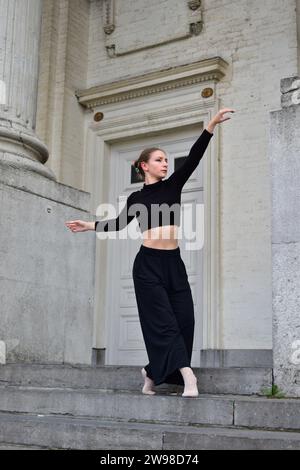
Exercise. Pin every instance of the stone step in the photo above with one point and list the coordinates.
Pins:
(6, 446)
(66, 432)
(221, 410)
(231, 380)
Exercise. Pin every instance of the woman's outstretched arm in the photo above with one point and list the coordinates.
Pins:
(109, 225)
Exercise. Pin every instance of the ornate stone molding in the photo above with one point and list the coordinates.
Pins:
(109, 16)
(195, 28)
(194, 4)
(145, 121)
(196, 25)
(153, 82)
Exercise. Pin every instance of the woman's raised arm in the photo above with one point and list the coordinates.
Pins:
(180, 176)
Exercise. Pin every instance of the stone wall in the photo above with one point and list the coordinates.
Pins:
(285, 159)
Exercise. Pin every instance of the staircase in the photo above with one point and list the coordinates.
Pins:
(50, 406)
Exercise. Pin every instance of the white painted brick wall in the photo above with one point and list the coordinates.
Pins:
(258, 39)
(63, 69)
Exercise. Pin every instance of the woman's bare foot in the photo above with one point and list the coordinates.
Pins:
(149, 384)
(190, 382)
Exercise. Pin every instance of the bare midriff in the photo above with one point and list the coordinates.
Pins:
(163, 238)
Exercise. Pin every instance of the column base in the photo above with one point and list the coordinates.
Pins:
(23, 150)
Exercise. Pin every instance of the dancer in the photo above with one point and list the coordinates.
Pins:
(163, 294)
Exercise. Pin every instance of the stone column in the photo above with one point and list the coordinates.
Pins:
(46, 302)
(20, 147)
(285, 173)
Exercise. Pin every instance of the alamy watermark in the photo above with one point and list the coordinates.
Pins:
(188, 218)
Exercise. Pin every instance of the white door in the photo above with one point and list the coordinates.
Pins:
(124, 340)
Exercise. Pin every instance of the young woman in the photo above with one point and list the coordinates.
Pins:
(163, 294)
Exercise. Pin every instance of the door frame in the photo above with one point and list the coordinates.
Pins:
(120, 306)
(163, 110)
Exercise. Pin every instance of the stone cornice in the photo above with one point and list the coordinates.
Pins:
(154, 82)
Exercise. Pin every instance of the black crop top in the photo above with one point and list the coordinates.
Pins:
(153, 204)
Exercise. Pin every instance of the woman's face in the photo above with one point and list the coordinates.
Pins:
(157, 164)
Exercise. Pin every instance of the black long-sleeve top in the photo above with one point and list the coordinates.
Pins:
(153, 204)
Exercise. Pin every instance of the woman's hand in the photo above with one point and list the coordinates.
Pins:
(218, 118)
(80, 225)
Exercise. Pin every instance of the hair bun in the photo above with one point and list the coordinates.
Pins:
(135, 165)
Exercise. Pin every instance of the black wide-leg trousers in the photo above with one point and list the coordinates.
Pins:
(166, 312)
